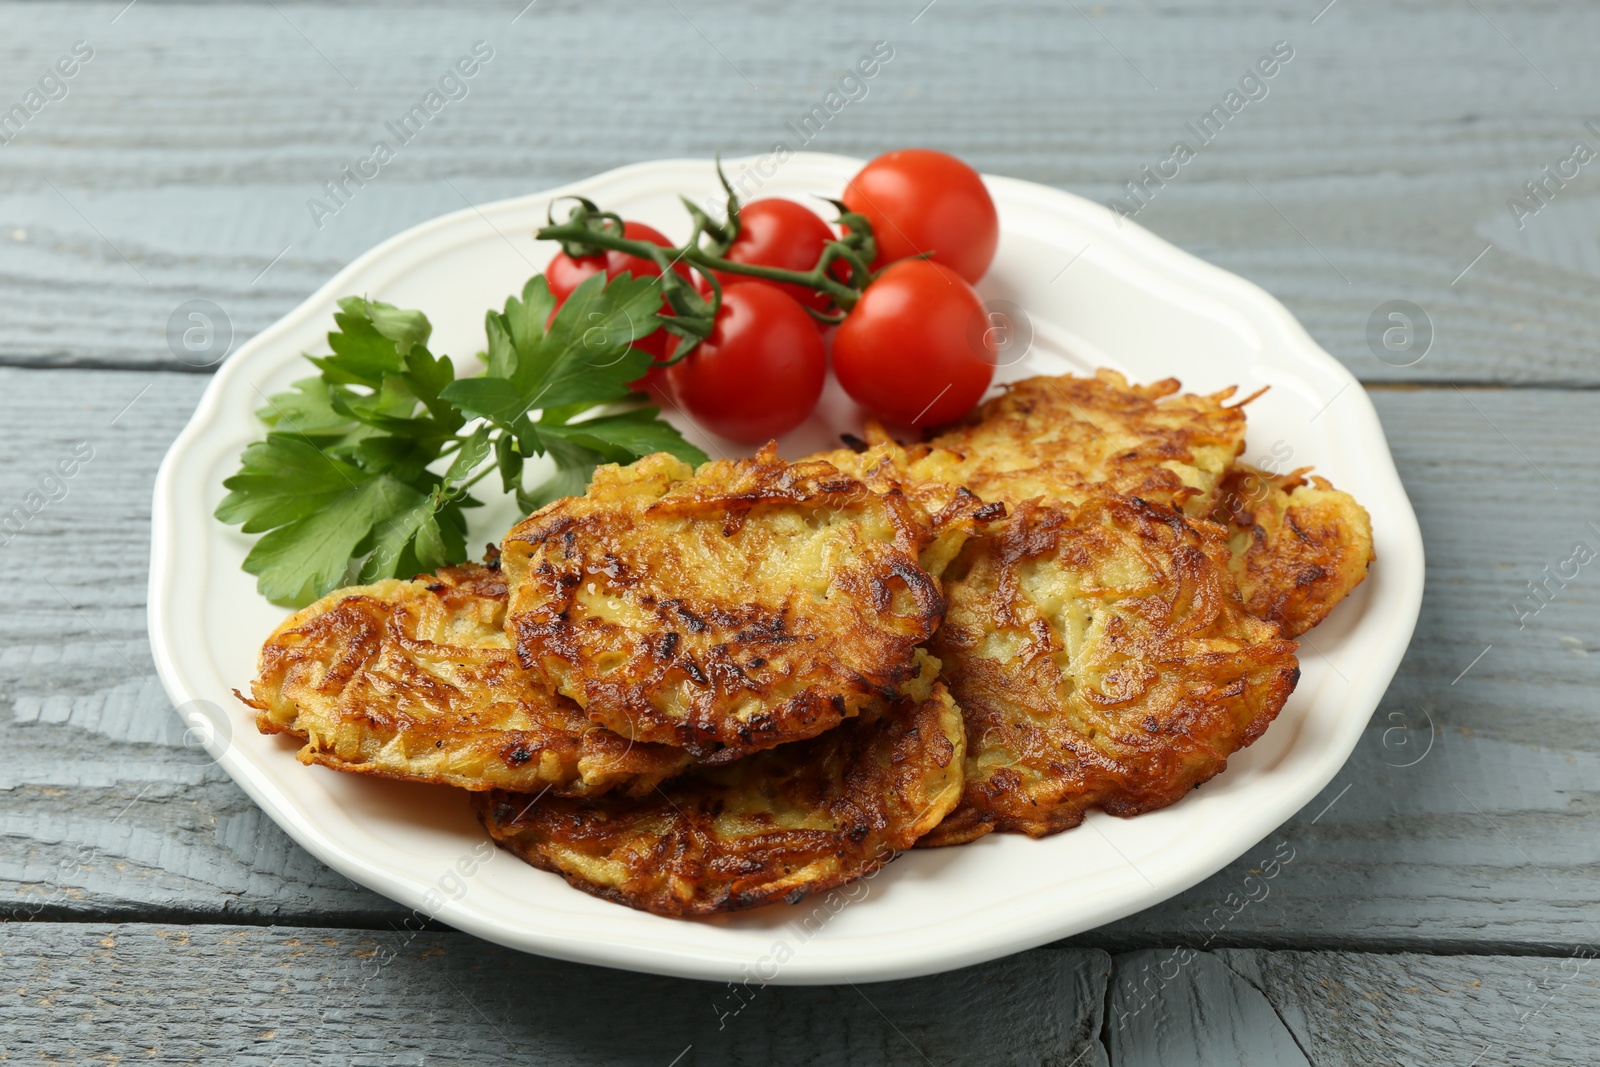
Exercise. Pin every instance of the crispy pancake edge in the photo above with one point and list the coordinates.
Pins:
(1063, 436)
(349, 676)
(884, 778)
(1299, 545)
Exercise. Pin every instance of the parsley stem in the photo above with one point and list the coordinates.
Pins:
(480, 476)
(456, 492)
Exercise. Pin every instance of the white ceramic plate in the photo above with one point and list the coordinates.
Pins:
(1098, 294)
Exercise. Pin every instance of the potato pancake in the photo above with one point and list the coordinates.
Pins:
(1299, 547)
(926, 475)
(1061, 438)
(920, 473)
(417, 680)
(797, 819)
(726, 610)
(1102, 658)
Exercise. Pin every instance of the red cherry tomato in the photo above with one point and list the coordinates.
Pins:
(915, 349)
(760, 372)
(565, 273)
(919, 200)
(779, 233)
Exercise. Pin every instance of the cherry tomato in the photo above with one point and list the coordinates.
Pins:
(565, 273)
(914, 349)
(919, 200)
(760, 372)
(779, 233)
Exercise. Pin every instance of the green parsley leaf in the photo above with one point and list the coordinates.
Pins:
(404, 327)
(282, 479)
(346, 484)
(525, 319)
(303, 559)
(495, 399)
(409, 541)
(474, 450)
(588, 356)
(509, 460)
(372, 340)
(307, 409)
(623, 438)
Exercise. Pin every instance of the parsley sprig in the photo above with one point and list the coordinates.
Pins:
(366, 469)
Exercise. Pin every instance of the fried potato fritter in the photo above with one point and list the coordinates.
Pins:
(1102, 658)
(725, 610)
(797, 819)
(417, 680)
(1065, 438)
(885, 465)
(1299, 546)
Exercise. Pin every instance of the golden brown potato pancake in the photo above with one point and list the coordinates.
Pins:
(725, 610)
(792, 820)
(1102, 658)
(954, 511)
(417, 680)
(1299, 546)
(922, 473)
(1061, 438)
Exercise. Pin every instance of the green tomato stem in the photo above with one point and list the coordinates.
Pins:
(816, 279)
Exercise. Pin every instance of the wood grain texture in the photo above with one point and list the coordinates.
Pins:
(1379, 165)
(1355, 1010)
(1487, 842)
(219, 994)
(1168, 1006)
(170, 994)
(1336, 1009)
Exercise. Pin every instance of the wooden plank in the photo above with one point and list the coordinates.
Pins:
(1340, 1009)
(1487, 842)
(1183, 1006)
(1349, 1010)
(181, 163)
(166, 994)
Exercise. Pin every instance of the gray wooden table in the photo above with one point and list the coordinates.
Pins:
(1442, 904)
